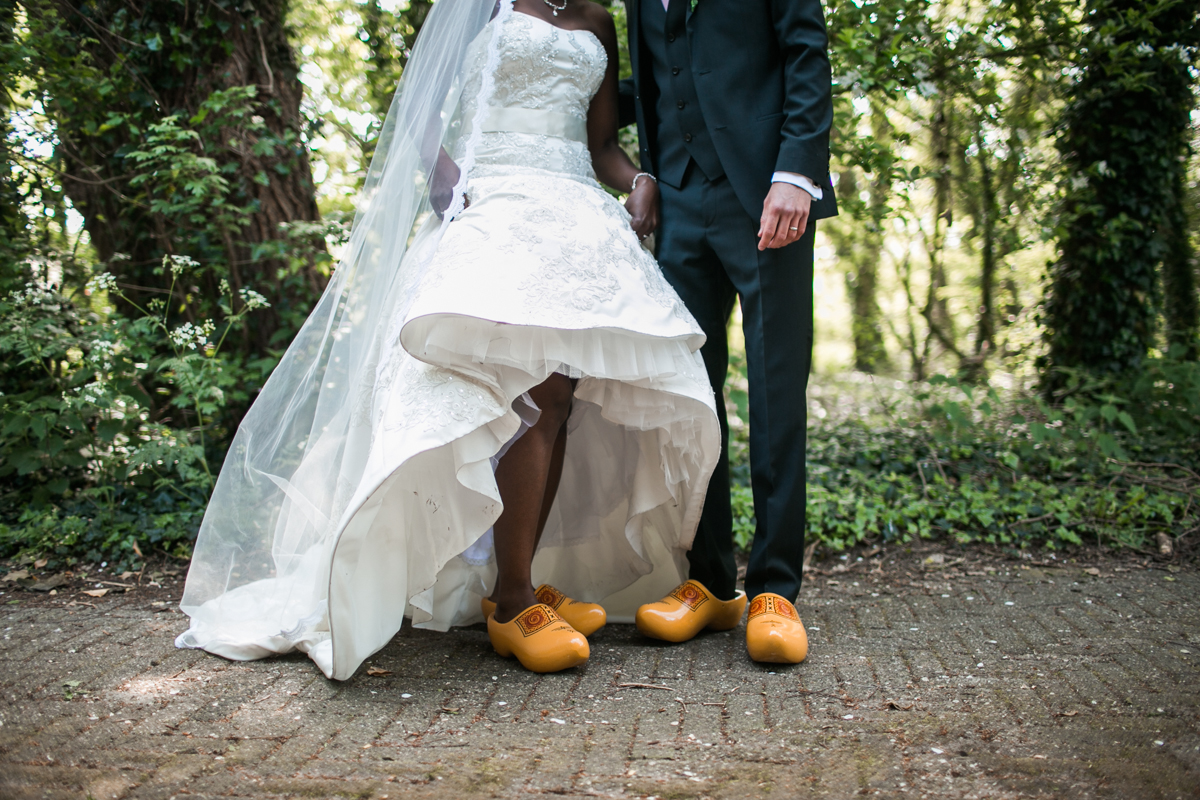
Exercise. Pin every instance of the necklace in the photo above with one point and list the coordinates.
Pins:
(557, 9)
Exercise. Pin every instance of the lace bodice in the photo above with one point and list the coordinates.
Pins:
(545, 78)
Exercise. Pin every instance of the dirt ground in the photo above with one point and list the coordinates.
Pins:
(933, 672)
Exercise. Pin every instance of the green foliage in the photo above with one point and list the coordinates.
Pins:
(174, 127)
(743, 514)
(107, 428)
(177, 127)
(942, 114)
(1111, 463)
(167, 127)
(1124, 145)
(389, 36)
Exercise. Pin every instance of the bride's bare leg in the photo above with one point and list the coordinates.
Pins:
(524, 477)
(556, 468)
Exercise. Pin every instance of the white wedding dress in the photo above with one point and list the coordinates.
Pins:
(540, 274)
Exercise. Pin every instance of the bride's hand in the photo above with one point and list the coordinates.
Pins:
(642, 205)
(442, 182)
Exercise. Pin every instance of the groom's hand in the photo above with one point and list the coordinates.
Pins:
(785, 216)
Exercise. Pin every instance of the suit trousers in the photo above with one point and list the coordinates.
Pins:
(708, 251)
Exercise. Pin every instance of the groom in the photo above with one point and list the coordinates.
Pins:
(733, 105)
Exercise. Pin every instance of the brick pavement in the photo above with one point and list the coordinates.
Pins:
(983, 678)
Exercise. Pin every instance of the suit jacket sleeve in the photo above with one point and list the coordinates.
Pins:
(626, 103)
(808, 101)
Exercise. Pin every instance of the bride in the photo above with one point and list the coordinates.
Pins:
(498, 386)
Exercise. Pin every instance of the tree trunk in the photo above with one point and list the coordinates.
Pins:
(1125, 134)
(156, 58)
(1181, 311)
(986, 338)
(12, 218)
(936, 310)
(859, 247)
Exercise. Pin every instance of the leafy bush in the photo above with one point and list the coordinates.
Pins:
(107, 431)
(1114, 461)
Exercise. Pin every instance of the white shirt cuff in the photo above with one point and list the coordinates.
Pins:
(798, 180)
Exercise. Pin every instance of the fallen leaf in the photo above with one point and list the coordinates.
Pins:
(53, 582)
(16, 575)
(892, 704)
(127, 575)
(936, 558)
(376, 671)
(137, 550)
(1067, 714)
(1093, 571)
(41, 562)
(96, 592)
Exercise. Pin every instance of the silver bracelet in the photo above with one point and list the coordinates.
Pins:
(633, 188)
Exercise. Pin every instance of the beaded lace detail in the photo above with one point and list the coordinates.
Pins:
(540, 67)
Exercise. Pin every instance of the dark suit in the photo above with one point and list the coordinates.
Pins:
(723, 97)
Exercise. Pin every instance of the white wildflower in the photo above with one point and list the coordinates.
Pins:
(1144, 50)
(178, 264)
(1176, 52)
(100, 356)
(32, 295)
(225, 287)
(253, 299)
(192, 336)
(104, 282)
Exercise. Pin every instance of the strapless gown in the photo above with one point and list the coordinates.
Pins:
(540, 274)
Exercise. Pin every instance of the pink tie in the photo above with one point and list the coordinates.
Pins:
(665, 4)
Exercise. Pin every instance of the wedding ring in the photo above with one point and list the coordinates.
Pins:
(793, 229)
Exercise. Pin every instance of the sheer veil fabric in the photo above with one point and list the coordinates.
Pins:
(360, 486)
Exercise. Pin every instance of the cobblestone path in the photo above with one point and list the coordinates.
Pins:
(957, 679)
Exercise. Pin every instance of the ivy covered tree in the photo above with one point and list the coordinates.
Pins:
(1124, 142)
(1181, 307)
(177, 130)
(13, 227)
